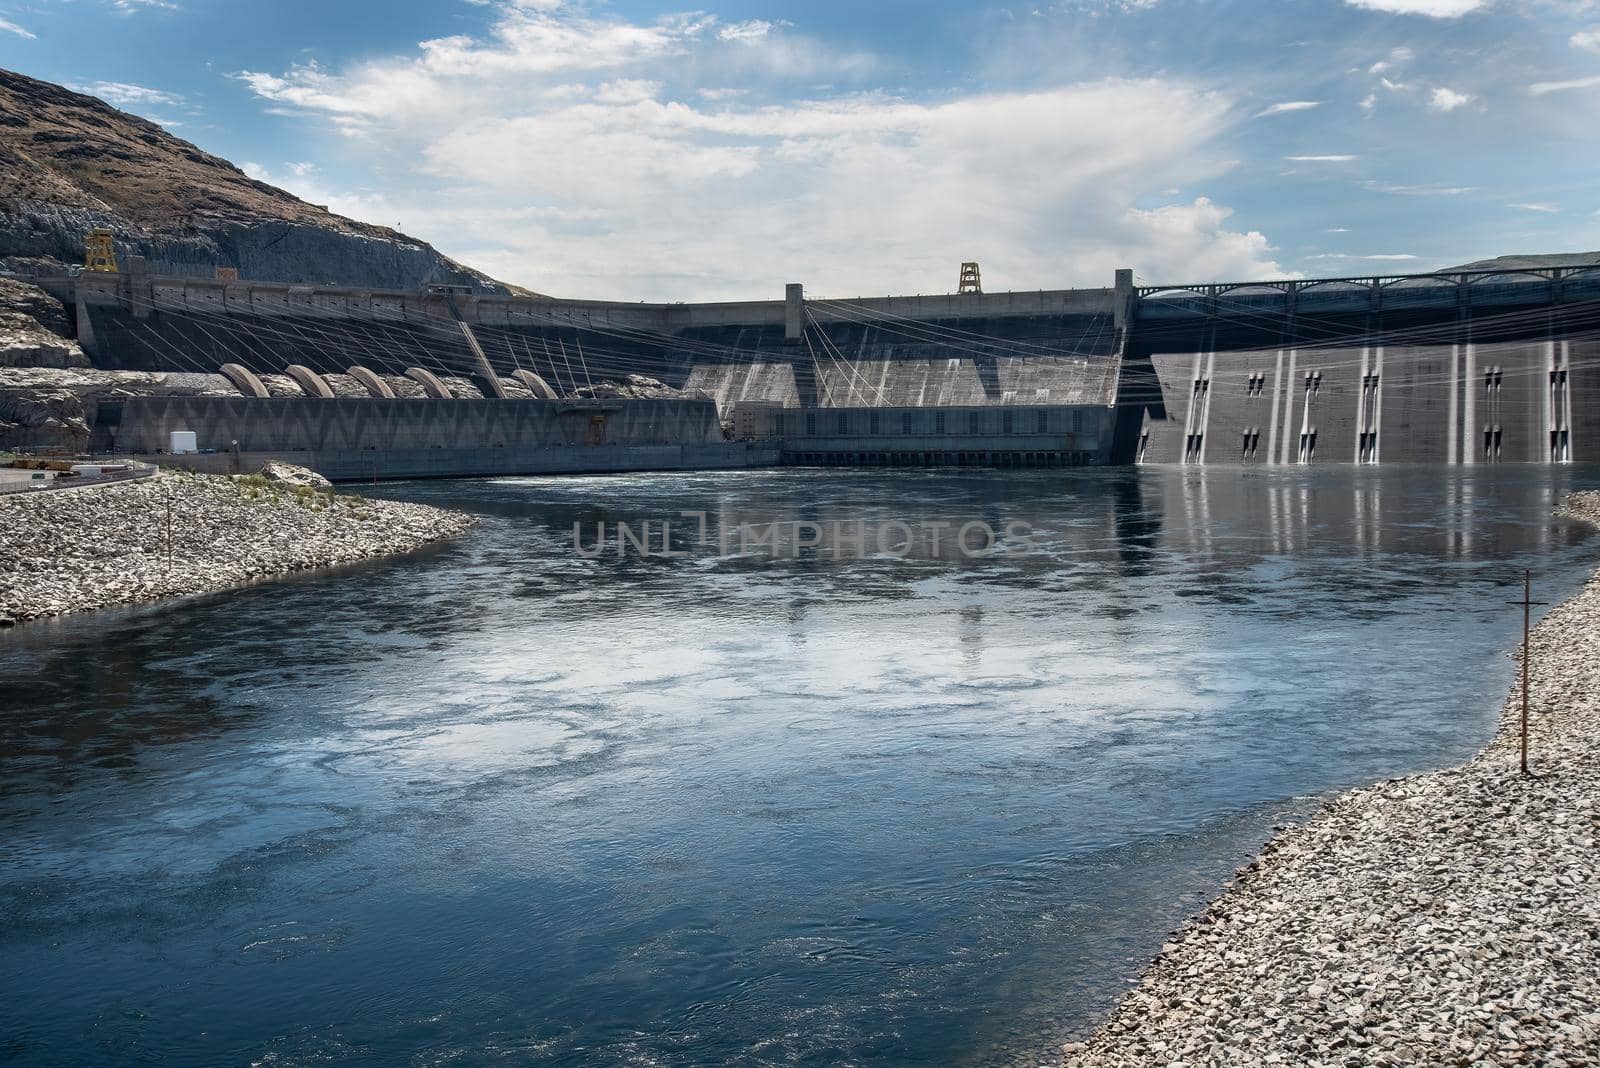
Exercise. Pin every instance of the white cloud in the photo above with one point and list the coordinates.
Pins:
(599, 157)
(1419, 190)
(627, 91)
(534, 40)
(127, 94)
(1588, 40)
(1545, 207)
(1287, 106)
(302, 180)
(7, 26)
(748, 31)
(1448, 99)
(1398, 58)
(1338, 230)
(1319, 159)
(128, 7)
(1369, 102)
(1438, 9)
(1541, 88)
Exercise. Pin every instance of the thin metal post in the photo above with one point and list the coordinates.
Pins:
(1527, 607)
(1527, 604)
(169, 526)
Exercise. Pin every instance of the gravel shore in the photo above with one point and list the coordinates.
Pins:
(72, 550)
(1449, 918)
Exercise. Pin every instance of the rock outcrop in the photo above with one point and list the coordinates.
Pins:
(34, 331)
(69, 162)
(56, 406)
(287, 474)
(631, 387)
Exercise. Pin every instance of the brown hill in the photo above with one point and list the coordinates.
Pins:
(70, 161)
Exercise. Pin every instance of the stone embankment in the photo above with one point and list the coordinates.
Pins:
(68, 551)
(1449, 918)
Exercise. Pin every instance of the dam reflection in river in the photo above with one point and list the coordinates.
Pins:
(500, 802)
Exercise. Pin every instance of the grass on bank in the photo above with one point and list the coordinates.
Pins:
(258, 487)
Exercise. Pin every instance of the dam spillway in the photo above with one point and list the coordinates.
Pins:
(1462, 367)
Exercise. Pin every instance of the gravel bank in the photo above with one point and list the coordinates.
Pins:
(1449, 918)
(71, 550)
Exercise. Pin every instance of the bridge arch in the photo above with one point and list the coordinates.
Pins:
(1510, 275)
(1336, 285)
(1411, 281)
(1255, 289)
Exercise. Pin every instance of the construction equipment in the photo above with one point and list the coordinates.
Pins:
(100, 250)
(970, 279)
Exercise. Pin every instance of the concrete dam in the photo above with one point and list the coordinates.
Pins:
(1464, 367)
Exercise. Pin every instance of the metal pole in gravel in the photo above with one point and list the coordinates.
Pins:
(1527, 604)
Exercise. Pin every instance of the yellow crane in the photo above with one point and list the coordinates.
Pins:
(99, 250)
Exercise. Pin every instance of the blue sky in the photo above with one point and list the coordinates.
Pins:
(648, 150)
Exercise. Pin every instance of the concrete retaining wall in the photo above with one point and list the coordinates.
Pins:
(346, 465)
(981, 436)
(364, 438)
(143, 424)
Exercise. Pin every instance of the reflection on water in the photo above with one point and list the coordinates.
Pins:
(500, 802)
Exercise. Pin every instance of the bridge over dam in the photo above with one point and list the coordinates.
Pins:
(1462, 367)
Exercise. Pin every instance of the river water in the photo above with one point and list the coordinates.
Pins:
(516, 800)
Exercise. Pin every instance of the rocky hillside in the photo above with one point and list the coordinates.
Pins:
(69, 162)
(34, 330)
(1524, 262)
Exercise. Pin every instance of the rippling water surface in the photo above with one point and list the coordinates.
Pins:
(500, 802)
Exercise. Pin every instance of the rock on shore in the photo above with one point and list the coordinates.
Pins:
(70, 550)
(1450, 918)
